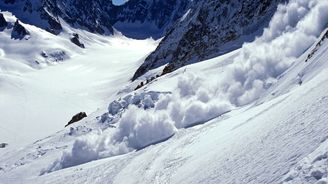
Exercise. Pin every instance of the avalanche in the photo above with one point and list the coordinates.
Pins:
(255, 115)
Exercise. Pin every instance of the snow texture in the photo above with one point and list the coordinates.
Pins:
(312, 169)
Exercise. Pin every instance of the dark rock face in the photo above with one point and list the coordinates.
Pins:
(19, 31)
(26, 11)
(136, 18)
(3, 22)
(76, 40)
(76, 118)
(86, 14)
(316, 48)
(144, 18)
(10, 1)
(212, 28)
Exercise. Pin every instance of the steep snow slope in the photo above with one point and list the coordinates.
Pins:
(258, 143)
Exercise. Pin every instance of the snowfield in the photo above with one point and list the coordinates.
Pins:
(41, 98)
(255, 115)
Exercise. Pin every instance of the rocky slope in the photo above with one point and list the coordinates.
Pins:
(149, 18)
(141, 18)
(210, 29)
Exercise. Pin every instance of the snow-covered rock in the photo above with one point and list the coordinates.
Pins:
(19, 31)
(211, 28)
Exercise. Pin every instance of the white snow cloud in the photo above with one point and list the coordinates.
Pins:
(140, 128)
(292, 30)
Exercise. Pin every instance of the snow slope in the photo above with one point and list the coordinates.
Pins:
(255, 115)
(258, 143)
(41, 102)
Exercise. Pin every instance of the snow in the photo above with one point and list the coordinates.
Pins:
(255, 115)
(141, 129)
(311, 169)
(41, 102)
(119, 2)
(185, 15)
(253, 144)
(28, 50)
(292, 30)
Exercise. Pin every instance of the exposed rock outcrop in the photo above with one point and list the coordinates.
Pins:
(3, 145)
(211, 28)
(3, 22)
(77, 117)
(19, 31)
(76, 40)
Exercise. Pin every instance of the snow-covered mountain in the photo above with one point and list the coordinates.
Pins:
(210, 28)
(255, 114)
(136, 18)
(145, 18)
(25, 23)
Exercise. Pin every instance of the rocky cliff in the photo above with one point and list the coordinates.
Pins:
(209, 29)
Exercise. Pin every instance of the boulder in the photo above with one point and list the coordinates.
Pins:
(3, 145)
(3, 22)
(139, 86)
(76, 40)
(77, 117)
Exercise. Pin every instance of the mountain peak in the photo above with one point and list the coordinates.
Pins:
(136, 18)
